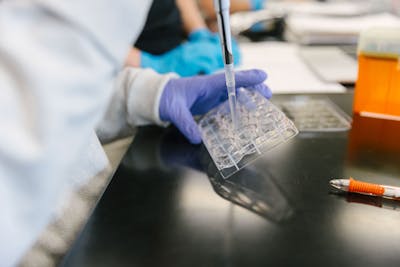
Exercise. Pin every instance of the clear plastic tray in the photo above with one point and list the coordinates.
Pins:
(315, 114)
(262, 127)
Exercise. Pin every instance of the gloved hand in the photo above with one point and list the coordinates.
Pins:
(206, 34)
(184, 97)
(201, 54)
(257, 4)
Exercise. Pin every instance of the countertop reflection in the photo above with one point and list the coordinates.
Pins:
(250, 188)
(168, 206)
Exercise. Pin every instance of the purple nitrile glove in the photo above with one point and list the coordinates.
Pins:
(184, 97)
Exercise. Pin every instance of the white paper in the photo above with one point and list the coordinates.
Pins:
(330, 63)
(325, 8)
(308, 29)
(287, 73)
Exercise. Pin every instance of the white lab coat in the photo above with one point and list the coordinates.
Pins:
(60, 65)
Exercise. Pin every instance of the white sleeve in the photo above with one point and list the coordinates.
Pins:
(58, 60)
(135, 103)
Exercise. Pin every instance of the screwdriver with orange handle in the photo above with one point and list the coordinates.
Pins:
(354, 186)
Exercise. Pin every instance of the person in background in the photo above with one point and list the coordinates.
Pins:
(63, 93)
(207, 6)
(176, 39)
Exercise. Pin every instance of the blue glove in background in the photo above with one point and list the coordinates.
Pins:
(203, 33)
(201, 54)
(257, 4)
(184, 97)
(206, 34)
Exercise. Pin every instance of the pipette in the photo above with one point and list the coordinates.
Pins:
(352, 185)
(222, 10)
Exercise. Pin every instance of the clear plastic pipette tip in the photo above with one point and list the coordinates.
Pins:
(233, 108)
(231, 87)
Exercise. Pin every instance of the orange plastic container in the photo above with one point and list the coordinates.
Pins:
(377, 92)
